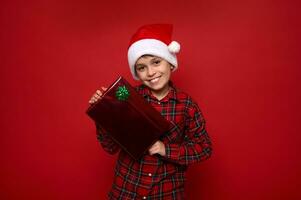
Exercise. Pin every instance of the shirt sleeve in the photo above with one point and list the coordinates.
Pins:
(196, 145)
(106, 140)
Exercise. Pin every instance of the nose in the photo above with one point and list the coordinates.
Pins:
(150, 71)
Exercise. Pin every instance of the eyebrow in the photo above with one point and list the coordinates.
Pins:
(155, 57)
(139, 65)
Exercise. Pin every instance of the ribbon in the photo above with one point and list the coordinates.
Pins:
(122, 93)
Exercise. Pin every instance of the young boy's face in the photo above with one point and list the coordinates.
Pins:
(154, 72)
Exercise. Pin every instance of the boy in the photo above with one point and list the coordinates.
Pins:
(161, 173)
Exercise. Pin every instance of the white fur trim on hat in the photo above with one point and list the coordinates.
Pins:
(152, 47)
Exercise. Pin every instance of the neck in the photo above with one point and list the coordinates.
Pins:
(161, 93)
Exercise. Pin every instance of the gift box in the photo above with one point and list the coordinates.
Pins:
(132, 122)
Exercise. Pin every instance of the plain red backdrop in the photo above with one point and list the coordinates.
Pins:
(240, 60)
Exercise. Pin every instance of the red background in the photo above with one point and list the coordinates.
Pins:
(240, 61)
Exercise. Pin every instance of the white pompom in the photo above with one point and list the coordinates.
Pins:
(174, 47)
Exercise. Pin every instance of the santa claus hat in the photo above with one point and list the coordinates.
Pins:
(153, 39)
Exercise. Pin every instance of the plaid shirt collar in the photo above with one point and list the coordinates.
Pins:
(172, 94)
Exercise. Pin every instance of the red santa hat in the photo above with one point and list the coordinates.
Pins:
(153, 39)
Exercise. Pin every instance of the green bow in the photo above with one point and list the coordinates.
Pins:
(122, 93)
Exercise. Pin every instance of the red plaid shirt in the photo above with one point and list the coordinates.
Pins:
(157, 177)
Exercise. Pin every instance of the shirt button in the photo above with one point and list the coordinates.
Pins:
(144, 197)
(149, 174)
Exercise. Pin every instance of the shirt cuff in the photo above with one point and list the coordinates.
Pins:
(172, 151)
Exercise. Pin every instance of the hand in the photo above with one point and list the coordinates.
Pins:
(158, 148)
(97, 95)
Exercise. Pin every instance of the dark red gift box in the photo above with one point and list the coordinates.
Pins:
(132, 123)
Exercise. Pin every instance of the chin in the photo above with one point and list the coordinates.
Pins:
(152, 87)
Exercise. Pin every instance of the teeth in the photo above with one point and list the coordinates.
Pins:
(154, 80)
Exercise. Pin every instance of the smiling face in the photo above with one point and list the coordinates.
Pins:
(155, 73)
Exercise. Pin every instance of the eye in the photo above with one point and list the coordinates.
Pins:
(140, 68)
(157, 62)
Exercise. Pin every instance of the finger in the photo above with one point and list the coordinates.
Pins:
(95, 96)
(151, 152)
(152, 147)
(93, 100)
(98, 93)
(154, 150)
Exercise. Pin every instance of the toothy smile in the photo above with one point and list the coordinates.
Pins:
(154, 80)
